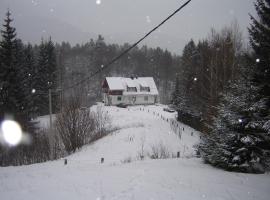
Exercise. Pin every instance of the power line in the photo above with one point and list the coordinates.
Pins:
(128, 49)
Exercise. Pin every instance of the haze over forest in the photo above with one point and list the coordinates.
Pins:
(121, 21)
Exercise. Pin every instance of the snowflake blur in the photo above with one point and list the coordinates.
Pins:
(11, 132)
(98, 2)
(148, 20)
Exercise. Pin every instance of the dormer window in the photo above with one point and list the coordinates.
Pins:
(131, 89)
(144, 89)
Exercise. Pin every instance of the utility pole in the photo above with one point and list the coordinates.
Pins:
(51, 129)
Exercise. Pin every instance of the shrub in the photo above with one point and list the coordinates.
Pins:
(159, 151)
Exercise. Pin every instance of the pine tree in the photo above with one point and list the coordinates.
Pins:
(176, 99)
(30, 79)
(13, 95)
(46, 76)
(240, 139)
(233, 143)
(188, 80)
(7, 72)
(260, 42)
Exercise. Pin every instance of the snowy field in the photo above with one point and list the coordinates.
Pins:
(124, 176)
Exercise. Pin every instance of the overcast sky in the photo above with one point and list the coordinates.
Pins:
(122, 21)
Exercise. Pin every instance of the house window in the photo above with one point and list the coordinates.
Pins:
(119, 98)
(145, 98)
(131, 89)
(145, 89)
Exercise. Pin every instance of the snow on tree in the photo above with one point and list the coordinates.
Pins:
(14, 99)
(240, 140)
(234, 144)
(260, 42)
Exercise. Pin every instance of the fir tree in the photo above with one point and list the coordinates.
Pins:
(176, 93)
(240, 139)
(30, 79)
(188, 104)
(233, 143)
(13, 95)
(7, 72)
(46, 76)
(260, 42)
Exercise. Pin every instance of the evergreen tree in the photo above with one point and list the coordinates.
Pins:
(30, 79)
(260, 42)
(176, 99)
(13, 95)
(46, 77)
(7, 72)
(234, 144)
(240, 139)
(188, 80)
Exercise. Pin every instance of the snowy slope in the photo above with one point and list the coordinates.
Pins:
(85, 178)
(139, 126)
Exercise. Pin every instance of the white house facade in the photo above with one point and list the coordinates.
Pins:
(131, 91)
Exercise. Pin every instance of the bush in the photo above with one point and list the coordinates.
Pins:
(35, 151)
(159, 151)
(102, 123)
(127, 160)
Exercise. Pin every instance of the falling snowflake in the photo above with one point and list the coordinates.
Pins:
(240, 120)
(195, 79)
(51, 10)
(231, 12)
(34, 2)
(98, 2)
(148, 20)
(33, 91)
(257, 60)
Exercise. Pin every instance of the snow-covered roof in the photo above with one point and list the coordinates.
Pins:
(143, 83)
(130, 82)
(121, 83)
(115, 83)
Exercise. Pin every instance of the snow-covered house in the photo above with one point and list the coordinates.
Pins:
(131, 91)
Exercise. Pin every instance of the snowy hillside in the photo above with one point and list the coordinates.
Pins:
(124, 176)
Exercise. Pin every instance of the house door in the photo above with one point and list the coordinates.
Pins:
(109, 101)
(133, 99)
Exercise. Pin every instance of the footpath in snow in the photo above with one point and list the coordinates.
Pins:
(138, 127)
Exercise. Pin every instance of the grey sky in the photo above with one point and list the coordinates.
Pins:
(124, 20)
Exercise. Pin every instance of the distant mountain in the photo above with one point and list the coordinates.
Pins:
(38, 27)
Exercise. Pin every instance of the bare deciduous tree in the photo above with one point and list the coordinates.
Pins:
(102, 122)
(74, 125)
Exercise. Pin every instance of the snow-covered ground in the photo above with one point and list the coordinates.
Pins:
(84, 177)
